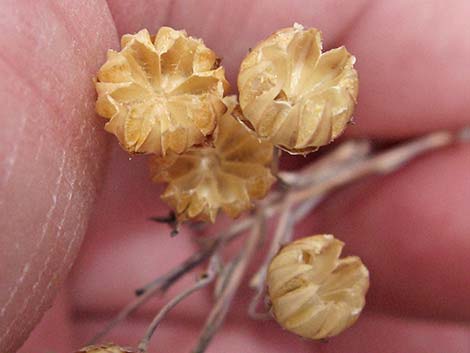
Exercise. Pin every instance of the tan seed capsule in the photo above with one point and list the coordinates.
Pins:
(161, 93)
(294, 95)
(105, 348)
(313, 292)
(228, 176)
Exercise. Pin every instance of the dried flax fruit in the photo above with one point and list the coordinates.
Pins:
(228, 176)
(161, 93)
(105, 348)
(294, 95)
(313, 293)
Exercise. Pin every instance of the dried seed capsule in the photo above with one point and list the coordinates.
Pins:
(313, 293)
(294, 95)
(105, 348)
(161, 93)
(228, 176)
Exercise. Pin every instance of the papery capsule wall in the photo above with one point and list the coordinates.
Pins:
(313, 292)
(161, 93)
(294, 95)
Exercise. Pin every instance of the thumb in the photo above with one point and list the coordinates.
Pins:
(51, 152)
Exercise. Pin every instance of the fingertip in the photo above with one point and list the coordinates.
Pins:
(52, 151)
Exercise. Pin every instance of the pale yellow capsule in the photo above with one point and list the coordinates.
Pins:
(161, 93)
(294, 95)
(105, 348)
(228, 176)
(313, 292)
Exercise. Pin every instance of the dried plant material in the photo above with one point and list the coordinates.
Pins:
(314, 293)
(299, 195)
(228, 176)
(294, 95)
(161, 93)
(105, 348)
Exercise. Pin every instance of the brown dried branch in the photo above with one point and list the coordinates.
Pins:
(347, 163)
(342, 156)
(219, 311)
(283, 233)
(223, 277)
(203, 281)
(385, 162)
(164, 282)
(301, 193)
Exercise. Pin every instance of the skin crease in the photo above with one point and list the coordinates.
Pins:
(411, 228)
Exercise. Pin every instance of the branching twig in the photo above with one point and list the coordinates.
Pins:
(342, 156)
(162, 283)
(323, 169)
(203, 281)
(382, 163)
(283, 233)
(165, 281)
(219, 311)
(223, 277)
(301, 193)
(123, 314)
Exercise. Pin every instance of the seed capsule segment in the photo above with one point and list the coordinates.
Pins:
(313, 292)
(105, 348)
(294, 95)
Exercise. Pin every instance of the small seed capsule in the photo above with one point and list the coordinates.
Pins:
(313, 292)
(105, 348)
(161, 93)
(228, 176)
(294, 95)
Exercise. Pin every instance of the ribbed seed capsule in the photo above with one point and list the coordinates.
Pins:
(313, 292)
(228, 176)
(294, 95)
(105, 348)
(161, 93)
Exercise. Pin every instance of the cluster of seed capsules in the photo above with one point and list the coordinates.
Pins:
(166, 95)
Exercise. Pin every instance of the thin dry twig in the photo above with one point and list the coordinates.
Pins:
(164, 282)
(283, 232)
(385, 162)
(276, 159)
(146, 293)
(203, 281)
(219, 311)
(342, 156)
(223, 277)
(123, 314)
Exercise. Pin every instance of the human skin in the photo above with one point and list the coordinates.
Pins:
(411, 228)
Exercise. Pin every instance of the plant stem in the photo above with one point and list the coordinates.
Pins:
(302, 193)
(162, 283)
(283, 232)
(203, 281)
(385, 162)
(219, 311)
